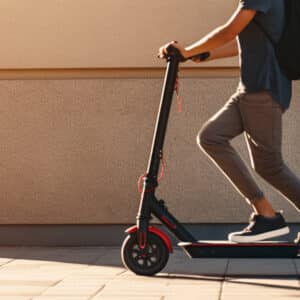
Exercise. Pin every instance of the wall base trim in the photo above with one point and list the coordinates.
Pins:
(89, 73)
(103, 235)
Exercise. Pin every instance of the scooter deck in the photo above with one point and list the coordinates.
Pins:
(227, 249)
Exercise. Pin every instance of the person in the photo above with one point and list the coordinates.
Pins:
(255, 109)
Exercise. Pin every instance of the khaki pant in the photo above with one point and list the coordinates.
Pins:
(259, 117)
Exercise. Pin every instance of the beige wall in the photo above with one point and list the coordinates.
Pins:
(72, 149)
(101, 34)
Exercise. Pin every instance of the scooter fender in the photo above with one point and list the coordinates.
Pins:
(156, 231)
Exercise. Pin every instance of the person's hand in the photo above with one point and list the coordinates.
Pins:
(162, 52)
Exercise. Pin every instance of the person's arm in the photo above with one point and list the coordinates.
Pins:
(228, 50)
(223, 34)
(218, 37)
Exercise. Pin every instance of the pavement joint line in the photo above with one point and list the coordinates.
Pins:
(104, 285)
(296, 270)
(297, 274)
(223, 280)
(121, 272)
(48, 287)
(6, 263)
(69, 274)
(268, 285)
(97, 292)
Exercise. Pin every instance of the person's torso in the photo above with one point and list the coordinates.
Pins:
(259, 66)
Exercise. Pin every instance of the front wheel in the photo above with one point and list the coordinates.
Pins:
(148, 261)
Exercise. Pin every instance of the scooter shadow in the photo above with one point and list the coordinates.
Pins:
(181, 265)
(281, 274)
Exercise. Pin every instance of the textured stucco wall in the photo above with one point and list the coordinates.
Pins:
(72, 150)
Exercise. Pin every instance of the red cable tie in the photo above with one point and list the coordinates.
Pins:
(160, 177)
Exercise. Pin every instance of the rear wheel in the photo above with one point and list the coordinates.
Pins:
(148, 261)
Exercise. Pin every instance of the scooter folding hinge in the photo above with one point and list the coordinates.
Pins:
(141, 217)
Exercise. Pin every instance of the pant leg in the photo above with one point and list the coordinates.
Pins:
(213, 139)
(262, 119)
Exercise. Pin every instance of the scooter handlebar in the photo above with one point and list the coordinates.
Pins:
(174, 53)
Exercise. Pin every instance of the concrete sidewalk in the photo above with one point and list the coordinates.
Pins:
(84, 273)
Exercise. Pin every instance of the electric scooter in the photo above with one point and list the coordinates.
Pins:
(146, 249)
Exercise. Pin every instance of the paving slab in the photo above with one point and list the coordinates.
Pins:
(180, 263)
(162, 285)
(260, 267)
(254, 285)
(127, 297)
(15, 298)
(73, 291)
(261, 288)
(75, 255)
(110, 257)
(79, 273)
(60, 298)
(297, 265)
(21, 290)
(192, 296)
(287, 296)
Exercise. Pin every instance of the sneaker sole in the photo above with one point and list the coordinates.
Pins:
(258, 237)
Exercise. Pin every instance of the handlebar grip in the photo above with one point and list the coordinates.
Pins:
(202, 56)
(174, 52)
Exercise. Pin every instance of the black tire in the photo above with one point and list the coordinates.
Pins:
(155, 256)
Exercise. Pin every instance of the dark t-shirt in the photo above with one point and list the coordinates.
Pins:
(259, 66)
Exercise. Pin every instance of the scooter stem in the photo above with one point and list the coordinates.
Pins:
(150, 180)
